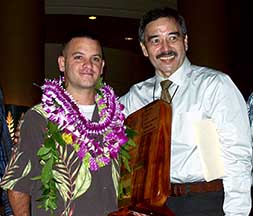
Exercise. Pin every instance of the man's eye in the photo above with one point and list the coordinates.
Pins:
(155, 41)
(78, 57)
(96, 59)
(173, 38)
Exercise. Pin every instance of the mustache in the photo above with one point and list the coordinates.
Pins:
(169, 53)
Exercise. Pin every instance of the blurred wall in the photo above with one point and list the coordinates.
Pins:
(219, 37)
(22, 50)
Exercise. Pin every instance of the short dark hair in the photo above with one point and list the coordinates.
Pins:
(80, 33)
(157, 13)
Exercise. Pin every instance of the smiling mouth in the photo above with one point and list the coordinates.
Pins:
(86, 72)
(167, 55)
(86, 75)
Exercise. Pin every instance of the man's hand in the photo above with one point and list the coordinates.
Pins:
(20, 203)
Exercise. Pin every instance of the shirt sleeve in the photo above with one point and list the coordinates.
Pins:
(24, 163)
(228, 109)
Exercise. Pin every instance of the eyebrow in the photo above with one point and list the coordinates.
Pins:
(77, 53)
(99, 55)
(175, 33)
(171, 33)
(81, 53)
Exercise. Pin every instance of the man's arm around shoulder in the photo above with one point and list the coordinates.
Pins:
(20, 203)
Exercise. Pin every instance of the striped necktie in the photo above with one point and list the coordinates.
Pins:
(165, 95)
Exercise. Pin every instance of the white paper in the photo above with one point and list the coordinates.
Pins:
(206, 137)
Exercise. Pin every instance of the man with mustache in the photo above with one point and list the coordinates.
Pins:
(203, 100)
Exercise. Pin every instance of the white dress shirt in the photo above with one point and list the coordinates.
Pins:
(202, 93)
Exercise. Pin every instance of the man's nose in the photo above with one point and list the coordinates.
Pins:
(165, 46)
(87, 63)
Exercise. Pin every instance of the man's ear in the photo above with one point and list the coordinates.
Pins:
(186, 42)
(102, 67)
(61, 63)
(144, 50)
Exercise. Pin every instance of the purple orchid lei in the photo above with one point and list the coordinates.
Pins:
(62, 110)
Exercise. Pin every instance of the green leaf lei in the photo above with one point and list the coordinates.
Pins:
(48, 155)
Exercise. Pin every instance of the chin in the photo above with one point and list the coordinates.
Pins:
(166, 73)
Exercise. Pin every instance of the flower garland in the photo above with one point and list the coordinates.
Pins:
(62, 110)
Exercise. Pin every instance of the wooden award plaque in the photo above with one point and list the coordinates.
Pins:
(147, 186)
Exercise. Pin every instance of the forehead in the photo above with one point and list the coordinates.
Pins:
(162, 25)
(83, 44)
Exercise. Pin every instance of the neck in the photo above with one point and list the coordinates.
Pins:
(84, 96)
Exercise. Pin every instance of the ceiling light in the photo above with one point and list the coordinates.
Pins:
(128, 38)
(92, 17)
